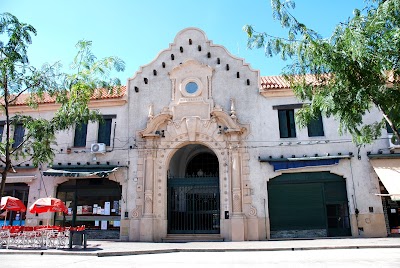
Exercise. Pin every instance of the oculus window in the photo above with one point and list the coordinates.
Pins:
(191, 87)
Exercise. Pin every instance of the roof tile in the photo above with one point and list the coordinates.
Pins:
(99, 94)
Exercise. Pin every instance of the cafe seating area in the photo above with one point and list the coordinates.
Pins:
(37, 236)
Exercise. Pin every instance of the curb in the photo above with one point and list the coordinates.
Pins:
(125, 253)
(177, 250)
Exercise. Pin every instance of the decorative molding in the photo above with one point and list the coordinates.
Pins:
(148, 204)
(252, 211)
(155, 122)
(54, 106)
(137, 212)
(231, 125)
(287, 92)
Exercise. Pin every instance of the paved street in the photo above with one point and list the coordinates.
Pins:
(386, 257)
(104, 248)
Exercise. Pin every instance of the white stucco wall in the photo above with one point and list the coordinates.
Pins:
(222, 88)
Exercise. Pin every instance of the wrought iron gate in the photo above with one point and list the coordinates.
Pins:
(193, 205)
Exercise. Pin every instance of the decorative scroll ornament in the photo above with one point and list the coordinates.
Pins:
(154, 123)
(230, 125)
(252, 211)
(136, 213)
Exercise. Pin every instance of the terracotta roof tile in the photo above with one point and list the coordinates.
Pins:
(99, 94)
(273, 82)
(279, 82)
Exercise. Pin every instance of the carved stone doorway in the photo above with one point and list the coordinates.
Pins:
(193, 192)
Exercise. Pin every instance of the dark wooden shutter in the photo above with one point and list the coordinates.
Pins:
(1, 132)
(104, 133)
(19, 133)
(287, 126)
(292, 125)
(80, 135)
(283, 129)
(315, 127)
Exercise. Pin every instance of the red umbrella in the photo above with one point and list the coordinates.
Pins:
(12, 203)
(48, 204)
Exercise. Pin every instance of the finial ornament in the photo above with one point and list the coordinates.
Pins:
(151, 112)
(233, 109)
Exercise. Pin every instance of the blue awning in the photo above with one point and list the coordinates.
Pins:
(278, 165)
(300, 162)
(102, 172)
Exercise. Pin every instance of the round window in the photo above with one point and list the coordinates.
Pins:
(191, 87)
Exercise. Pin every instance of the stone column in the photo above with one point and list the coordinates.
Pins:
(236, 184)
(148, 184)
(237, 213)
(146, 226)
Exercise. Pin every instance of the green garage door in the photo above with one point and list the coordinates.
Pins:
(296, 206)
(307, 205)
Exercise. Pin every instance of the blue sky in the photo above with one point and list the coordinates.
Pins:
(136, 31)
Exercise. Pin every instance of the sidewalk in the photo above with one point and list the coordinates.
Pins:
(116, 248)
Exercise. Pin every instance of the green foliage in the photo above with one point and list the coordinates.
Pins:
(19, 80)
(354, 70)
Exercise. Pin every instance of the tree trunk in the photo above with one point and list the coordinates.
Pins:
(7, 156)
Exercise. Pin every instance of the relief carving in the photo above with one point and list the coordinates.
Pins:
(148, 205)
(155, 122)
(252, 212)
(137, 212)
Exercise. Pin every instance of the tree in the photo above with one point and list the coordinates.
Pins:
(20, 81)
(354, 70)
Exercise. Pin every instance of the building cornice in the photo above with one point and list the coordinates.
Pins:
(275, 93)
(54, 106)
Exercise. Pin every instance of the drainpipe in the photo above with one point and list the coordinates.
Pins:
(265, 219)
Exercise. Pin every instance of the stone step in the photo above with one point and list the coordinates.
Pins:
(183, 238)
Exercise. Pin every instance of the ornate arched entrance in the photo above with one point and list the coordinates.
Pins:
(193, 191)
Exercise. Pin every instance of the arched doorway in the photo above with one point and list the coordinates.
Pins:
(193, 191)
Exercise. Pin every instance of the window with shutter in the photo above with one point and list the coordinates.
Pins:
(104, 134)
(315, 127)
(287, 126)
(19, 133)
(80, 135)
(1, 131)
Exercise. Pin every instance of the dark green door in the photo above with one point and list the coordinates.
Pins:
(338, 220)
(193, 205)
(296, 207)
(308, 201)
(337, 211)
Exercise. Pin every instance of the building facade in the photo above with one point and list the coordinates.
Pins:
(201, 147)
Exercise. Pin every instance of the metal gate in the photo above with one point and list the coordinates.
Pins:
(193, 205)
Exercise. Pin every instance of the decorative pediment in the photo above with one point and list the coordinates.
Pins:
(191, 90)
(229, 125)
(152, 129)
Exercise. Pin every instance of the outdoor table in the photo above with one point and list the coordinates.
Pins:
(80, 232)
